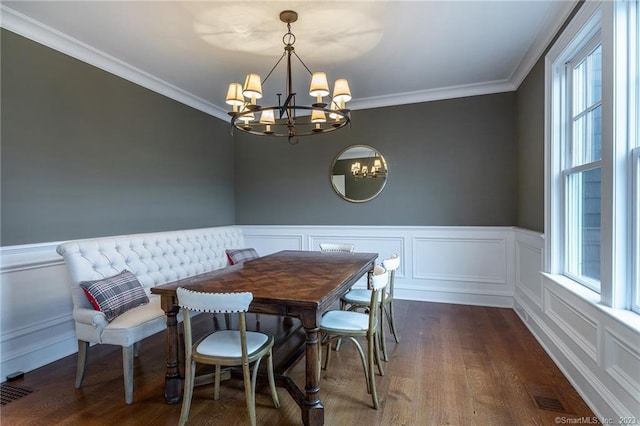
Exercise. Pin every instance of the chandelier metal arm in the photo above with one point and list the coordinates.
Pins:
(274, 67)
(302, 62)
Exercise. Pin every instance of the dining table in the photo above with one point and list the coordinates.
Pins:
(288, 283)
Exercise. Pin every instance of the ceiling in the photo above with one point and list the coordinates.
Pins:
(392, 52)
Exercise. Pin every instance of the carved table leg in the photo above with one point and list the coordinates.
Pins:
(173, 382)
(312, 409)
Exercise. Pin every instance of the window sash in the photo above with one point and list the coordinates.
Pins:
(581, 237)
(583, 103)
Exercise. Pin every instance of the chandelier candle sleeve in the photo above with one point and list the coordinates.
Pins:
(289, 118)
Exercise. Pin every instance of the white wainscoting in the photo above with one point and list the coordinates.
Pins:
(36, 326)
(468, 265)
(454, 265)
(597, 348)
(492, 266)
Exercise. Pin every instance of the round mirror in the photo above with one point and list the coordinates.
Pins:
(359, 173)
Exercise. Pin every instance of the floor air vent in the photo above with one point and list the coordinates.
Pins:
(551, 404)
(546, 398)
(10, 393)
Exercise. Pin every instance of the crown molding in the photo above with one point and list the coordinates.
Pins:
(32, 29)
(433, 94)
(25, 26)
(541, 43)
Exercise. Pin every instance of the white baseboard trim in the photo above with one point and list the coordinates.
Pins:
(493, 301)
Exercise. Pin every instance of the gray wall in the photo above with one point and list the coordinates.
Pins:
(530, 140)
(86, 153)
(530, 131)
(451, 162)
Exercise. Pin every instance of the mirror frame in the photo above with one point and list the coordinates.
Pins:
(337, 157)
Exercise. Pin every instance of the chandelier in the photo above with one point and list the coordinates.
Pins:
(374, 171)
(289, 119)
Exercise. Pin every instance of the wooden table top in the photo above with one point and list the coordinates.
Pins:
(305, 279)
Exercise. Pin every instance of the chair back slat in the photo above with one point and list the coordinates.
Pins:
(392, 263)
(213, 302)
(337, 247)
(380, 278)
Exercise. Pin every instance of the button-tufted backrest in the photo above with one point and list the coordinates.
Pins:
(155, 258)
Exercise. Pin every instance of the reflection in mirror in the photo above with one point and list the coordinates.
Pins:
(359, 173)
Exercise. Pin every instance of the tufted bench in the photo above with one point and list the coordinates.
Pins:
(155, 259)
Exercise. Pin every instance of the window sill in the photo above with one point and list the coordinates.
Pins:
(625, 317)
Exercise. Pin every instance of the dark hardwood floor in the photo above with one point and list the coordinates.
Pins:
(455, 365)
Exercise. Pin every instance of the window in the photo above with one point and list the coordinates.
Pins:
(582, 165)
(592, 163)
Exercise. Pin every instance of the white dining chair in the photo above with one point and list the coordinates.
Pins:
(359, 298)
(224, 347)
(351, 325)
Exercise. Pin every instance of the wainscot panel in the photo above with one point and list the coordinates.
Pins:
(35, 308)
(597, 348)
(529, 255)
(466, 265)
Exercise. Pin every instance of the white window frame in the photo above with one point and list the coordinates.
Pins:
(620, 212)
(580, 33)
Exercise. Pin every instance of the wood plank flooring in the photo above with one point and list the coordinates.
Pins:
(454, 365)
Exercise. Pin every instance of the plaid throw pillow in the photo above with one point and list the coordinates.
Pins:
(115, 295)
(241, 255)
